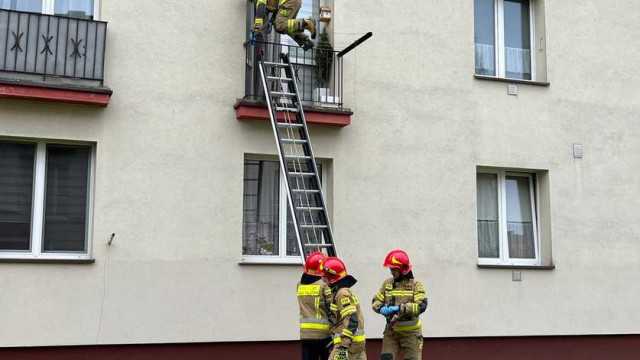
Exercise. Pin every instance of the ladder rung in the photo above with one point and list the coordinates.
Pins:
(281, 65)
(313, 226)
(302, 174)
(310, 191)
(307, 208)
(294, 141)
(293, 110)
(280, 93)
(275, 78)
(318, 245)
(303, 157)
(284, 125)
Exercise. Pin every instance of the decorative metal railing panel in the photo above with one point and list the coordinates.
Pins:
(48, 45)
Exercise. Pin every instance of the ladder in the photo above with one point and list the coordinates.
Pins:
(297, 162)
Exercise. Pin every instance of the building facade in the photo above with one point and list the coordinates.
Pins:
(142, 210)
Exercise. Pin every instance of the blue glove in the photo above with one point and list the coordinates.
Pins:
(252, 38)
(385, 310)
(393, 309)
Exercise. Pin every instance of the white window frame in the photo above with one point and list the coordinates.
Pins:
(38, 206)
(283, 258)
(503, 256)
(499, 40)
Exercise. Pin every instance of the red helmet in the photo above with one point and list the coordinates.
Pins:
(398, 259)
(333, 269)
(313, 263)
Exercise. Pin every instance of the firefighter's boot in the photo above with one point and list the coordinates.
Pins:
(308, 44)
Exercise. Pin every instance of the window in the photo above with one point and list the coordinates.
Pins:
(268, 234)
(505, 38)
(507, 218)
(45, 200)
(81, 9)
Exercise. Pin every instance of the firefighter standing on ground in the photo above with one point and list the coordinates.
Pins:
(348, 328)
(401, 299)
(285, 21)
(314, 298)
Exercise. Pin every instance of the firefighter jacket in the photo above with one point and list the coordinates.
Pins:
(407, 293)
(272, 5)
(348, 328)
(263, 7)
(314, 298)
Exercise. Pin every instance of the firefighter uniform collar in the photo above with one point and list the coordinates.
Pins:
(346, 282)
(307, 279)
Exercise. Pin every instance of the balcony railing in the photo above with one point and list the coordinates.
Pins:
(38, 47)
(311, 66)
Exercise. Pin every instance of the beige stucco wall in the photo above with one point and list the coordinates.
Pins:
(169, 178)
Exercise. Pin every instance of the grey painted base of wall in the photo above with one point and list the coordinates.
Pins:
(621, 347)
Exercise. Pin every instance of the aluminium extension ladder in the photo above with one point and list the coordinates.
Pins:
(297, 162)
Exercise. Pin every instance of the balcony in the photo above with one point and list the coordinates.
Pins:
(52, 58)
(319, 75)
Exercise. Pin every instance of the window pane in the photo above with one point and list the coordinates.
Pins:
(81, 9)
(310, 200)
(488, 226)
(484, 21)
(520, 218)
(22, 5)
(65, 218)
(260, 221)
(517, 38)
(16, 194)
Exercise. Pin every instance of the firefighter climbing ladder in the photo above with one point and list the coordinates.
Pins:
(298, 164)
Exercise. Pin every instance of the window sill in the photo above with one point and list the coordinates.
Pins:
(47, 261)
(512, 81)
(271, 261)
(518, 267)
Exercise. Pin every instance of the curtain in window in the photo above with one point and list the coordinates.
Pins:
(485, 59)
(518, 62)
(16, 194)
(488, 226)
(261, 208)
